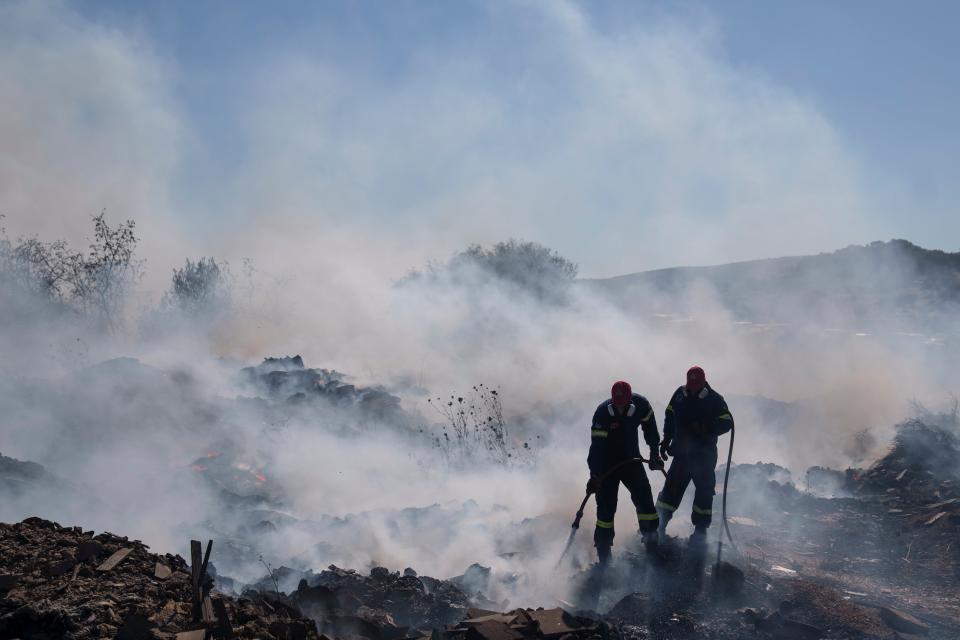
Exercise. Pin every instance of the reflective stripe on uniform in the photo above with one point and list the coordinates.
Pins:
(598, 433)
(645, 517)
(664, 505)
(603, 524)
(669, 407)
(725, 416)
(703, 512)
(648, 416)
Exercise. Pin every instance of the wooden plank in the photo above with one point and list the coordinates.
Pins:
(114, 560)
(206, 561)
(552, 622)
(196, 562)
(224, 628)
(206, 611)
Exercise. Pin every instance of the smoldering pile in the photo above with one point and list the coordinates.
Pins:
(918, 483)
(855, 564)
(63, 583)
(843, 554)
(288, 381)
(17, 478)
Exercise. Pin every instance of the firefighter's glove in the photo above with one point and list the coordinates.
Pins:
(656, 464)
(593, 484)
(665, 450)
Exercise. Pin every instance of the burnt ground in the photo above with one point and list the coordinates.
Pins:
(882, 560)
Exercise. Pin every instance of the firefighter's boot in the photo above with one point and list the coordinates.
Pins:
(665, 515)
(651, 540)
(604, 551)
(698, 539)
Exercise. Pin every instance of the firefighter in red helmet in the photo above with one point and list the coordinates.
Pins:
(614, 438)
(694, 418)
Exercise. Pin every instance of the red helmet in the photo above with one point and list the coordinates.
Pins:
(696, 378)
(621, 394)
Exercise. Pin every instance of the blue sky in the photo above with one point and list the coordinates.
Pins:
(606, 130)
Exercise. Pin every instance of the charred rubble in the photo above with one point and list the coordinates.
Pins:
(841, 554)
(878, 560)
(853, 554)
(286, 379)
(18, 477)
(65, 583)
(62, 582)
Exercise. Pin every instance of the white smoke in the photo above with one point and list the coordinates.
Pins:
(622, 150)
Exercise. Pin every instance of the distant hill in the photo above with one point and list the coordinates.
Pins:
(892, 285)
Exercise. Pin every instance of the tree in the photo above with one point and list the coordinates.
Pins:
(529, 266)
(101, 281)
(94, 284)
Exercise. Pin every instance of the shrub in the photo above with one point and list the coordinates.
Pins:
(475, 431)
(200, 287)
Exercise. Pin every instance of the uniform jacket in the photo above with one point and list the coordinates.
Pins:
(614, 433)
(693, 422)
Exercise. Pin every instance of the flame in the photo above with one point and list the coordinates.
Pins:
(260, 477)
(212, 454)
(198, 468)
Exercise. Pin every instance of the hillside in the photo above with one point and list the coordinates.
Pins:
(893, 285)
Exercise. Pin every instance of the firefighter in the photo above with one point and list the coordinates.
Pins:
(694, 418)
(613, 439)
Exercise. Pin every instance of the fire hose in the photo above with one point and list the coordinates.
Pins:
(726, 480)
(606, 474)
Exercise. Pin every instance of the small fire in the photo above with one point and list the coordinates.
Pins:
(198, 468)
(260, 477)
(212, 454)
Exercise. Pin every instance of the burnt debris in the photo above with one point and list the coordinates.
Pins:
(65, 583)
(288, 380)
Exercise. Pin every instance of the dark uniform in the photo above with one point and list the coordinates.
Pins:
(614, 438)
(691, 425)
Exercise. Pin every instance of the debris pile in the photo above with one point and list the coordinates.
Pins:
(287, 379)
(883, 539)
(865, 553)
(61, 582)
(344, 602)
(919, 479)
(922, 463)
(17, 477)
(530, 623)
(918, 482)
